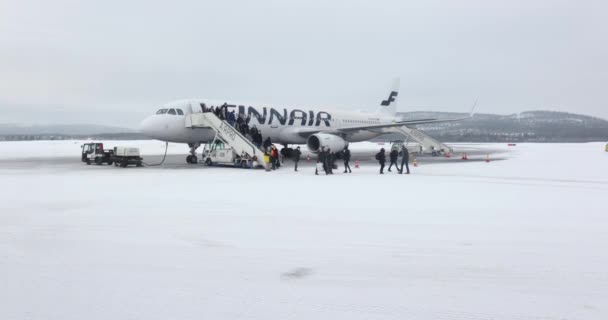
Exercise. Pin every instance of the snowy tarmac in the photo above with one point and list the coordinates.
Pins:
(521, 238)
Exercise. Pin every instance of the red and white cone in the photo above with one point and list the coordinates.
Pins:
(488, 158)
(415, 162)
(357, 164)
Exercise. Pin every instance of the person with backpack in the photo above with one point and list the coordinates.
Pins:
(296, 157)
(346, 158)
(405, 160)
(394, 155)
(381, 157)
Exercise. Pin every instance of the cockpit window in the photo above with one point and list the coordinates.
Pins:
(172, 111)
(161, 111)
(180, 112)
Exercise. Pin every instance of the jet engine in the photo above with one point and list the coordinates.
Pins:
(318, 140)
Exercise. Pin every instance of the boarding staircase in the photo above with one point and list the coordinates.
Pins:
(227, 133)
(427, 142)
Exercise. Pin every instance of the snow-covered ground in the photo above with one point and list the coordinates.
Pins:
(522, 238)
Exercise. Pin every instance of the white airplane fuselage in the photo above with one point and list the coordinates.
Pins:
(282, 124)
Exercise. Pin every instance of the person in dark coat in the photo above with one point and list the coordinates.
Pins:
(329, 159)
(394, 155)
(381, 157)
(296, 157)
(346, 158)
(267, 143)
(405, 160)
(321, 159)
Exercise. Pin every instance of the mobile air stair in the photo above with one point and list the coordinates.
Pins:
(231, 137)
(428, 143)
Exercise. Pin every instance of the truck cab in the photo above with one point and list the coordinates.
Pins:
(94, 153)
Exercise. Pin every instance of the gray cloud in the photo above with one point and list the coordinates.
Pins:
(115, 61)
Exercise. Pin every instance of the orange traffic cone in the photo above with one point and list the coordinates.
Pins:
(488, 158)
(357, 164)
(415, 163)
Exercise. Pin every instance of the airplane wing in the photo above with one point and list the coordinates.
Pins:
(304, 132)
(307, 132)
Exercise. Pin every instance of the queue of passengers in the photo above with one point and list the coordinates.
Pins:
(240, 122)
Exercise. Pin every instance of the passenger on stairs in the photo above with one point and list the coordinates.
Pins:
(231, 118)
(267, 143)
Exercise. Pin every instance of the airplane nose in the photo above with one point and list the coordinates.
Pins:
(145, 126)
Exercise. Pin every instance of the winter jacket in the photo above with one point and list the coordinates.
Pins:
(394, 155)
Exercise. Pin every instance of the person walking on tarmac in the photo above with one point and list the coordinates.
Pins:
(329, 158)
(405, 160)
(346, 158)
(381, 157)
(394, 155)
(321, 159)
(296, 157)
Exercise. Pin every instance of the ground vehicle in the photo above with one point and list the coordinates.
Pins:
(124, 156)
(94, 153)
(219, 154)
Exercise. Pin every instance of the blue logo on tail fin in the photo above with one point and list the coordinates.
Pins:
(391, 98)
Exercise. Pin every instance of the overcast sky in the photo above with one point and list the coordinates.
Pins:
(113, 62)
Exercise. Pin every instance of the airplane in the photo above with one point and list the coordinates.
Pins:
(314, 127)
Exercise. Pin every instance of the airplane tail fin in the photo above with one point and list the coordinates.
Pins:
(389, 105)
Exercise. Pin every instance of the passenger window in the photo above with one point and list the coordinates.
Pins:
(180, 112)
(161, 111)
(172, 111)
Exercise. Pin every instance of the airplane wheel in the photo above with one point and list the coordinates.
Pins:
(193, 160)
(189, 159)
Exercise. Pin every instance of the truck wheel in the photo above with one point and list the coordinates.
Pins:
(88, 161)
(116, 164)
(124, 164)
(208, 162)
(98, 161)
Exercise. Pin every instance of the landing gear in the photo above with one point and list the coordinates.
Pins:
(192, 159)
